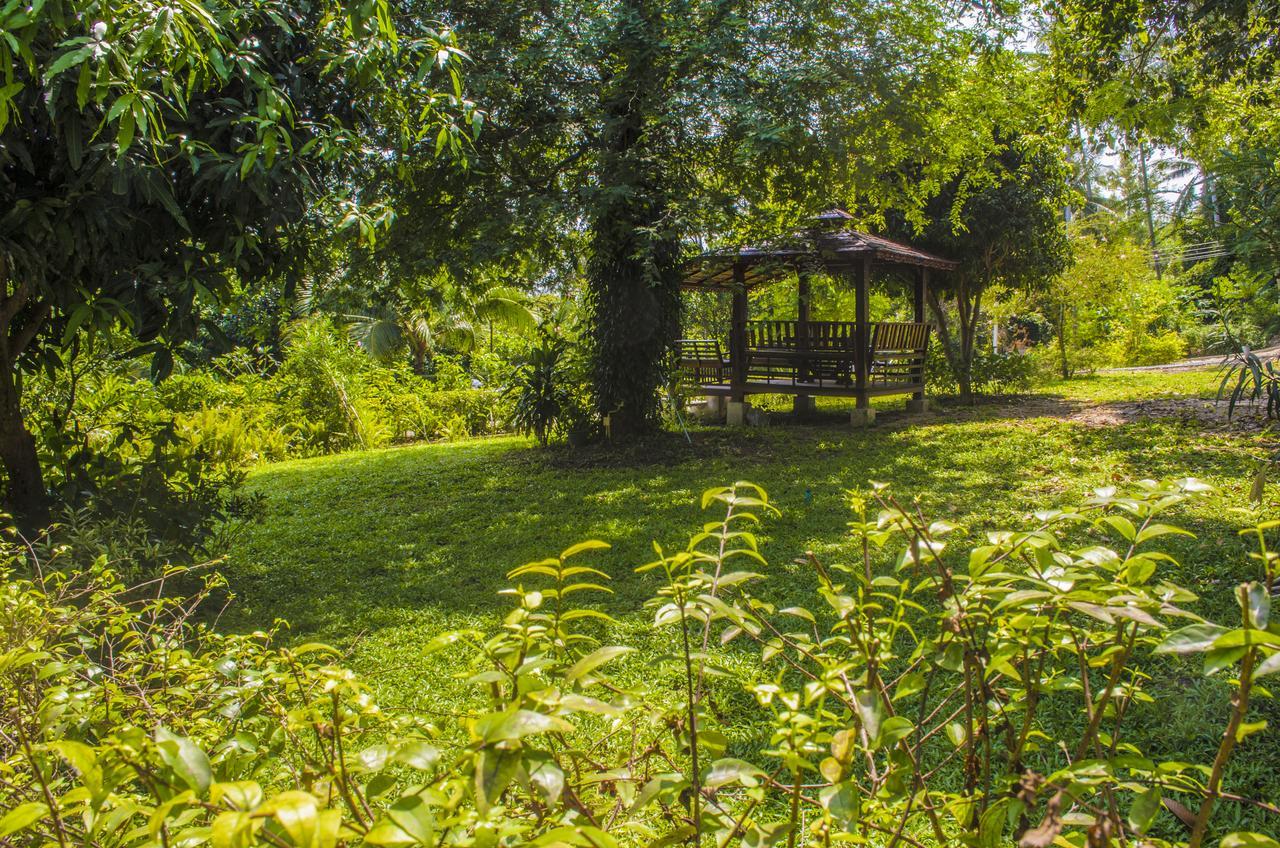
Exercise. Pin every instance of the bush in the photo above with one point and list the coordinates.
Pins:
(924, 698)
(121, 461)
(992, 373)
(549, 393)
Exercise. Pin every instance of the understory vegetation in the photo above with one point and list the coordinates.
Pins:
(325, 325)
(891, 686)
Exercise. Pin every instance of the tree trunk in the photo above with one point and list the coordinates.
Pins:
(959, 351)
(633, 272)
(26, 496)
(1062, 342)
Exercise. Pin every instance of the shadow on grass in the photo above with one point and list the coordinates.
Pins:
(352, 543)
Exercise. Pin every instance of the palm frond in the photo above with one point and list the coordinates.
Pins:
(381, 336)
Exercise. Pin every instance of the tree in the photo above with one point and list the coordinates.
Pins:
(623, 134)
(1198, 76)
(425, 317)
(150, 154)
(1000, 217)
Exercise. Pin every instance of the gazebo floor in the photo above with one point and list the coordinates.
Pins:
(791, 387)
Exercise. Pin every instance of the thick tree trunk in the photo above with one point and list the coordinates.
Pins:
(633, 272)
(25, 496)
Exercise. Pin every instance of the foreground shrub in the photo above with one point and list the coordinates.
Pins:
(920, 701)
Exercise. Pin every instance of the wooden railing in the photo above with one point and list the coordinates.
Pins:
(781, 354)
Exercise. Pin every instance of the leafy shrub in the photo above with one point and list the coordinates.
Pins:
(992, 373)
(549, 394)
(120, 460)
(1155, 348)
(319, 377)
(925, 698)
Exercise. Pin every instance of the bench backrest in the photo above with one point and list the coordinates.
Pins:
(702, 361)
(785, 335)
(898, 351)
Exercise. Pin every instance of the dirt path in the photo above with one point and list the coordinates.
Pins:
(1272, 351)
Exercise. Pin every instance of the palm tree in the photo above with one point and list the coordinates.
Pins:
(441, 316)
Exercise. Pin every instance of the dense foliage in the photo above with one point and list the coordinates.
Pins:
(152, 153)
(999, 711)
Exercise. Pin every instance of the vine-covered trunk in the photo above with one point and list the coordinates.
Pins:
(633, 273)
(25, 495)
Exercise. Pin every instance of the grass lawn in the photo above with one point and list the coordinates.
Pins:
(377, 552)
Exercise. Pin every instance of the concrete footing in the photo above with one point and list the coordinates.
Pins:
(862, 417)
(735, 413)
(918, 405)
(711, 409)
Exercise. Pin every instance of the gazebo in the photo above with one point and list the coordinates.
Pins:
(805, 358)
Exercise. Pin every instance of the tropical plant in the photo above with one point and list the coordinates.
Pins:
(927, 698)
(452, 317)
(1248, 378)
(153, 153)
(542, 391)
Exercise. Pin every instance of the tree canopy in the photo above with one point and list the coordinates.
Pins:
(152, 153)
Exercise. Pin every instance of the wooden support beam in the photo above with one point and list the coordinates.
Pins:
(922, 285)
(738, 336)
(862, 329)
(803, 404)
(921, 289)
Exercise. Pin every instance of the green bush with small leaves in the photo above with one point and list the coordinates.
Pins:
(926, 697)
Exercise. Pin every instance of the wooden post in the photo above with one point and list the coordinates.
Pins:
(803, 404)
(922, 285)
(862, 330)
(736, 410)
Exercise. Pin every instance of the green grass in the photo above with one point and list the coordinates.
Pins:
(377, 552)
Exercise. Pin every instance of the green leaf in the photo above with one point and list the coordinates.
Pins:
(583, 547)
(68, 60)
(1154, 530)
(1249, 728)
(843, 803)
(1268, 666)
(504, 727)
(893, 729)
(870, 711)
(124, 134)
(415, 817)
(232, 830)
(728, 770)
(1216, 659)
(1258, 602)
(297, 812)
(1122, 525)
(494, 771)
(1191, 639)
(84, 761)
(22, 817)
(546, 777)
(594, 660)
(1144, 809)
(186, 759)
(417, 754)
(1248, 840)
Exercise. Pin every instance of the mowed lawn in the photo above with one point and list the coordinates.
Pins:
(377, 552)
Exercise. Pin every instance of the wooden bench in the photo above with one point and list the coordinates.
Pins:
(702, 362)
(898, 353)
(824, 363)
